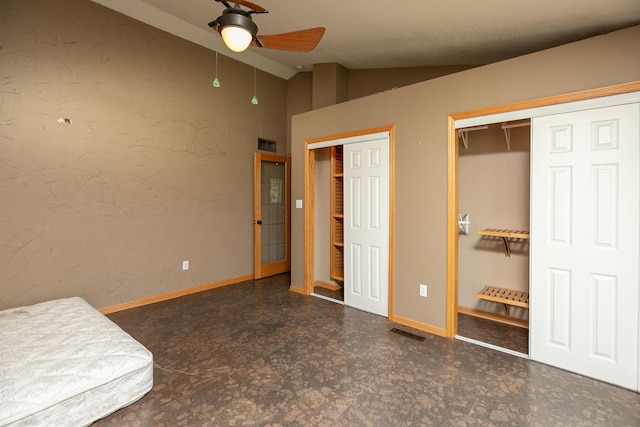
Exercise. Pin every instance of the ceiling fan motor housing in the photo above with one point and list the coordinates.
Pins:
(241, 31)
(236, 17)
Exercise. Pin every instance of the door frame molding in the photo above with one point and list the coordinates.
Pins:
(309, 203)
(468, 118)
(260, 270)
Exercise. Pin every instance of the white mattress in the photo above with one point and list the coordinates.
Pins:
(63, 363)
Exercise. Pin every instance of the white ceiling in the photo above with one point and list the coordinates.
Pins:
(383, 34)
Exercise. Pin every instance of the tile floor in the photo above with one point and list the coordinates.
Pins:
(494, 333)
(337, 295)
(256, 354)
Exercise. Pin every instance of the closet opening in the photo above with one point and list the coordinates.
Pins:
(349, 217)
(493, 237)
(329, 224)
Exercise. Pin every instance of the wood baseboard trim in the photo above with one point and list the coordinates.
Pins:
(325, 285)
(494, 316)
(441, 332)
(172, 295)
(297, 290)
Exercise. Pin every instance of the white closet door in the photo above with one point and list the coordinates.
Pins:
(585, 242)
(366, 225)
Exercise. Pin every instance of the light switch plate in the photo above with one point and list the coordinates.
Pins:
(298, 204)
(423, 290)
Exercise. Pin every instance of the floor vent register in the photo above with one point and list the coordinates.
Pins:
(407, 334)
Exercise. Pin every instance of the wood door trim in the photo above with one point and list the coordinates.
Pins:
(452, 230)
(309, 225)
(452, 175)
(388, 128)
(551, 100)
(257, 237)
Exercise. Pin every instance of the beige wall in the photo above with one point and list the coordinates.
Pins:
(322, 215)
(155, 168)
(493, 188)
(369, 81)
(329, 85)
(298, 99)
(419, 113)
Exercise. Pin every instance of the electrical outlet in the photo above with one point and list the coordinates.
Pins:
(185, 265)
(423, 290)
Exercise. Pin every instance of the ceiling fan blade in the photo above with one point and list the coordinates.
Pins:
(295, 41)
(225, 3)
(256, 8)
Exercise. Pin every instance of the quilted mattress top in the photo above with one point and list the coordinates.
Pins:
(57, 349)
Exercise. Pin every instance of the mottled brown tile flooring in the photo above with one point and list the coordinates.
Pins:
(495, 333)
(257, 354)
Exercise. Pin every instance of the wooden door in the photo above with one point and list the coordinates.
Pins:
(585, 242)
(271, 210)
(366, 225)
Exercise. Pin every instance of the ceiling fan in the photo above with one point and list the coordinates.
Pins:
(238, 30)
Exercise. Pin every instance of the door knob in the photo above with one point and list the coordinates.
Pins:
(259, 222)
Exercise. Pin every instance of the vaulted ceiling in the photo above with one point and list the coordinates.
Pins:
(384, 34)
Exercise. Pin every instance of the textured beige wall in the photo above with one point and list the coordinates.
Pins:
(419, 113)
(298, 99)
(365, 82)
(322, 215)
(329, 86)
(493, 188)
(155, 168)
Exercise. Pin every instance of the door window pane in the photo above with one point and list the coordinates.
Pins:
(273, 208)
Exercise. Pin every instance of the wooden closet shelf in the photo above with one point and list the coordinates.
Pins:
(504, 234)
(508, 297)
(498, 232)
(336, 257)
(338, 277)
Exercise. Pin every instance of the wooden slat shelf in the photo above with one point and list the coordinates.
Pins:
(508, 297)
(505, 235)
(512, 234)
(505, 296)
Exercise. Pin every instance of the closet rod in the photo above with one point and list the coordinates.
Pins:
(515, 125)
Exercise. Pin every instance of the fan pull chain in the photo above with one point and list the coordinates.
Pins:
(254, 100)
(216, 82)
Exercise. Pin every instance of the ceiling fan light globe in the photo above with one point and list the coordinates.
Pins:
(237, 39)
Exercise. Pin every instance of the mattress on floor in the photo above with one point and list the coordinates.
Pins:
(64, 363)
